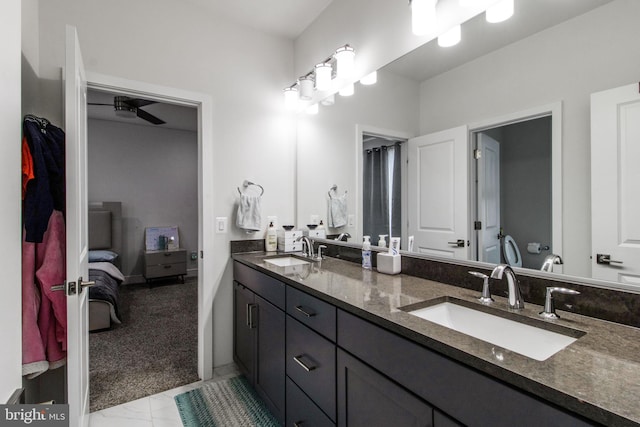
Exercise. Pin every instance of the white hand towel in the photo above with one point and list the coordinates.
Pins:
(337, 211)
(248, 216)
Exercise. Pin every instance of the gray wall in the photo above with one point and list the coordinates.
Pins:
(525, 186)
(153, 172)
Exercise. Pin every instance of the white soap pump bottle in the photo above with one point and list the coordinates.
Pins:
(382, 241)
(271, 240)
(366, 253)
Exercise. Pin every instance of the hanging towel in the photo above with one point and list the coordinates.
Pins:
(337, 211)
(248, 216)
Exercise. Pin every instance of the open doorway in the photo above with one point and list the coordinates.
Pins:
(147, 159)
(513, 192)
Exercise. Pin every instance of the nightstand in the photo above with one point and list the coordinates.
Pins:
(161, 264)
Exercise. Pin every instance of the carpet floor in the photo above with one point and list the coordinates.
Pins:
(153, 350)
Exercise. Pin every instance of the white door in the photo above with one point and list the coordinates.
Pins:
(488, 167)
(438, 195)
(75, 92)
(615, 184)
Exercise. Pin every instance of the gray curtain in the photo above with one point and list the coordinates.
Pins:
(381, 192)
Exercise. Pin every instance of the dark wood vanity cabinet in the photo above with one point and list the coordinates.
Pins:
(331, 367)
(259, 335)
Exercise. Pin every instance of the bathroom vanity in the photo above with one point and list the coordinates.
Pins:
(340, 348)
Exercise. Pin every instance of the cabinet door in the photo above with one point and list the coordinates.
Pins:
(367, 398)
(270, 355)
(301, 411)
(244, 313)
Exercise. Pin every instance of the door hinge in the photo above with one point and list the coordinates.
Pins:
(477, 154)
(477, 225)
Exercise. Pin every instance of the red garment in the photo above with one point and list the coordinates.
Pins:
(44, 317)
(27, 166)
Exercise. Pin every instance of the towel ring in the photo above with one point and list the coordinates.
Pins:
(246, 183)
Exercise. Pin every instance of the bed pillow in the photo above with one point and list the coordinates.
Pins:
(102, 256)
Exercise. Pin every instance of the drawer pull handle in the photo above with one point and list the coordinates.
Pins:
(167, 266)
(306, 313)
(168, 254)
(250, 319)
(301, 363)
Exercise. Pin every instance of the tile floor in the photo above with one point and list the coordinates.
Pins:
(158, 410)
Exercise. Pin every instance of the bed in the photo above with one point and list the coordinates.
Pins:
(105, 248)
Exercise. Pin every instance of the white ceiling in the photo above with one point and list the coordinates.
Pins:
(286, 18)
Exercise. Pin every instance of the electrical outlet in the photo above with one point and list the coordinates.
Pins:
(274, 220)
(314, 219)
(351, 220)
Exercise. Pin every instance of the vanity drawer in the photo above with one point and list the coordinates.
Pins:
(316, 314)
(267, 287)
(301, 411)
(311, 364)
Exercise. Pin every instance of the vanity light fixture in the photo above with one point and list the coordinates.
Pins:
(323, 73)
(500, 11)
(347, 90)
(423, 16)
(451, 37)
(345, 62)
(291, 97)
(370, 79)
(306, 87)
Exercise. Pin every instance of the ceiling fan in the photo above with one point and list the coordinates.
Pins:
(130, 108)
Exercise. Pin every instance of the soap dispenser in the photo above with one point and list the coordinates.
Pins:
(271, 240)
(366, 253)
(382, 240)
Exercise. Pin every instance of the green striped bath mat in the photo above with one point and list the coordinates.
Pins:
(230, 402)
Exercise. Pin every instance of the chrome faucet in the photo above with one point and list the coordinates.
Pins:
(547, 264)
(549, 307)
(306, 243)
(516, 301)
(343, 236)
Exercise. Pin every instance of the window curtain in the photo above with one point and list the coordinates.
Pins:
(381, 192)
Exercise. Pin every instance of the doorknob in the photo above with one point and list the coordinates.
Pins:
(606, 259)
(72, 287)
(458, 243)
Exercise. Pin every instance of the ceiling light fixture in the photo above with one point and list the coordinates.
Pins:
(423, 16)
(370, 79)
(451, 37)
(500, 11)
(329, 100)
(345, 62)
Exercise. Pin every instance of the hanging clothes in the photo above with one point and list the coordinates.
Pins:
(44, 311)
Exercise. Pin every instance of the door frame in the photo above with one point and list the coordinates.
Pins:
(385, 133)
(554, 110)
(204, 104)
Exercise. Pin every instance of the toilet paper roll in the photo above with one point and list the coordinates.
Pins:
(533, 248)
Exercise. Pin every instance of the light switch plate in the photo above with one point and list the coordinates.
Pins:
(351, 220)
(221, 224)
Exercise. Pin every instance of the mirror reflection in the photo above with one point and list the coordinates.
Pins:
(542, 65)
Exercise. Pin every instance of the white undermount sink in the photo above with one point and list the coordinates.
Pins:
(527, 340)
(286, 261)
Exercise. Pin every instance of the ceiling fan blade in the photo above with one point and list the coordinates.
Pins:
(137, 102)
(149, 117)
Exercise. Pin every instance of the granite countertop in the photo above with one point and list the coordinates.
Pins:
(597, 376)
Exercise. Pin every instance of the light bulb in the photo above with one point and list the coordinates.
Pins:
(500, 11)
(345, 58)
(450, 38)
(323, 76)
(291, 98)
(423, 16)
(348, 90)
(306, 88)
(370, 79)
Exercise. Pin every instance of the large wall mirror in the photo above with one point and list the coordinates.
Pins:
(539, 68)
